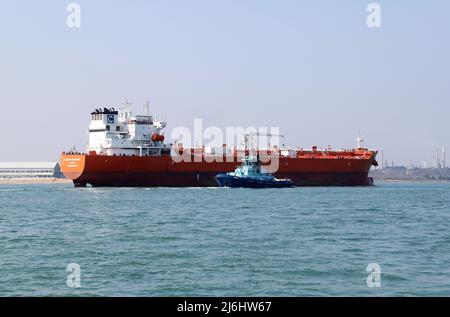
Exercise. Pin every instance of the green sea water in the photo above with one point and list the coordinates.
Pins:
(225, 242)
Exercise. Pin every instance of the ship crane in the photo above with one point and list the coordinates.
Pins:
(264, 134)
(257, 134)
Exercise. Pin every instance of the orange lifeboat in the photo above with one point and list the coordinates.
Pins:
(157, 137)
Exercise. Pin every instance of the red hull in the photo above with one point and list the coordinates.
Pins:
(308, 169)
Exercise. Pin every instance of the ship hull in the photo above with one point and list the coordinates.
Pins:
(122, 171)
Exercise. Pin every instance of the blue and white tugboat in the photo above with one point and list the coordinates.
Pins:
(250, 175)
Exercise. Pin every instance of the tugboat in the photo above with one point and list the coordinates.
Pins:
(250, 175)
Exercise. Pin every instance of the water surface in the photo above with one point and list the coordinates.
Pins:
(224, 242)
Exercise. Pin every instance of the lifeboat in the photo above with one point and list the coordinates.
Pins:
(157, 137)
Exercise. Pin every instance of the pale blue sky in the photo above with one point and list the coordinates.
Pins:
(313, 68)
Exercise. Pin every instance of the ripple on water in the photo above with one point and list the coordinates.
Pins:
(222, 241)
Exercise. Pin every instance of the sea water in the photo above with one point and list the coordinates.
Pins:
(389, 239)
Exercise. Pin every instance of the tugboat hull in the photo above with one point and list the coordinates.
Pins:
(225, 180)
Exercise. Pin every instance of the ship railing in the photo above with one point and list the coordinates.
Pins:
(73, 153)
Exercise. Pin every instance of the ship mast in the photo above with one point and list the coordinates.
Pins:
(359, 140)
(126, 104)
(246, 146)
(147, 108)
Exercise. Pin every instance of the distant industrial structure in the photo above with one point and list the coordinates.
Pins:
(426, 171)
(30, 170)
(440, 163)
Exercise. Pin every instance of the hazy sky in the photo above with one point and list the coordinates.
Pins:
(313, 68)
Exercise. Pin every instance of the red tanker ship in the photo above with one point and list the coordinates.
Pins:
(129, 151)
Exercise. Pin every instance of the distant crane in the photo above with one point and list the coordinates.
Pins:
(443, 158)
(438, 163)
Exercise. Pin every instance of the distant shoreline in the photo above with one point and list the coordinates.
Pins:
(37, 181)
(412, 180)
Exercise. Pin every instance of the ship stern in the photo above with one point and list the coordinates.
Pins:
(72, 166)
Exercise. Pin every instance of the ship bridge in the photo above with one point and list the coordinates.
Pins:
(114, 132)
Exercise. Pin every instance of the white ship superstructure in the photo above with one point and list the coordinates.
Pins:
(119, 133)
